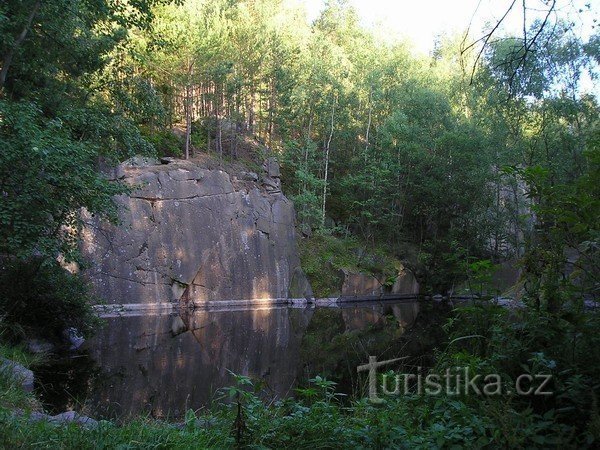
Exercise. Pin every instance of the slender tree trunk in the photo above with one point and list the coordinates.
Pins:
(327, 147)
(188, 109)
(306, 144)
(368, 124)
(218, 123)
(207, 115)
(272, 103)
(8, 56)
(188, 122)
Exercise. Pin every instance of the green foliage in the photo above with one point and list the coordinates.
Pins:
(165, 142)
(566, 233)
(45, 177)
(490, 339)
(316, 421)
(412, 153)
(12, 394)
(324, 255)
(62, 112)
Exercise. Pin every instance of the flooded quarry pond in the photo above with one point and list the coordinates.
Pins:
(161, 365)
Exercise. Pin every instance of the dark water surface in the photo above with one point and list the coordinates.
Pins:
(138, 364)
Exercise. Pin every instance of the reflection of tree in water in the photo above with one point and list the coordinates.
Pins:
(339, 340)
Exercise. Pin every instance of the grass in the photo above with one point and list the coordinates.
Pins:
(12, 395)
(142, 434)
(317, 419)
(317, 422)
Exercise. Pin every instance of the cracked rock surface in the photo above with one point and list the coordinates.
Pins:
(191, 235)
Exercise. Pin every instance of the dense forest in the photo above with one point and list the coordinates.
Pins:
(480, 153)
(449, 152)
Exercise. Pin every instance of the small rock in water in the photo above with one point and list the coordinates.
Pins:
(73, 338)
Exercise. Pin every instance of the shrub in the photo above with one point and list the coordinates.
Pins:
(43, 299)
(165, 142)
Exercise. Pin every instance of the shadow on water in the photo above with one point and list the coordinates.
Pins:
(163, 365)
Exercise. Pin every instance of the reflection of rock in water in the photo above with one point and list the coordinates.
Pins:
(406, 313)
(150, 365)
(165, 364)
(361, 317)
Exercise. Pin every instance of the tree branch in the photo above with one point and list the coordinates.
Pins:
(7, 59)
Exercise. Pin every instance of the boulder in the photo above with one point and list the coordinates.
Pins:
(405, 283)
(73, 338)
(272, 185)
(306, 230)
(272, 168)
(18, 372)
(300, 286)
(249, 176)
(140, 161)
(358, 283)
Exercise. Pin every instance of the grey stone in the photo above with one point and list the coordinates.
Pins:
(249, 176)
(73, 417)
(36, 416)
(18, 372)
(140, 161)
(357, 283)
(591, 304)
(405, 283)
(73, 338)
(272, 185)
(306, 230)
(300, 286)
(272, 168)
(120, 172)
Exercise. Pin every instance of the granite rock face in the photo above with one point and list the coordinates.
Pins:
(191, 235)
(358, 283)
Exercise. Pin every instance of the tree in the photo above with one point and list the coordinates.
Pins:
(56, 119)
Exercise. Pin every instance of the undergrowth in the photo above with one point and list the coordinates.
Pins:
(483, 337)
(324, 255)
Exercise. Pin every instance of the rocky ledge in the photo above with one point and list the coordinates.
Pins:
(189, 234)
